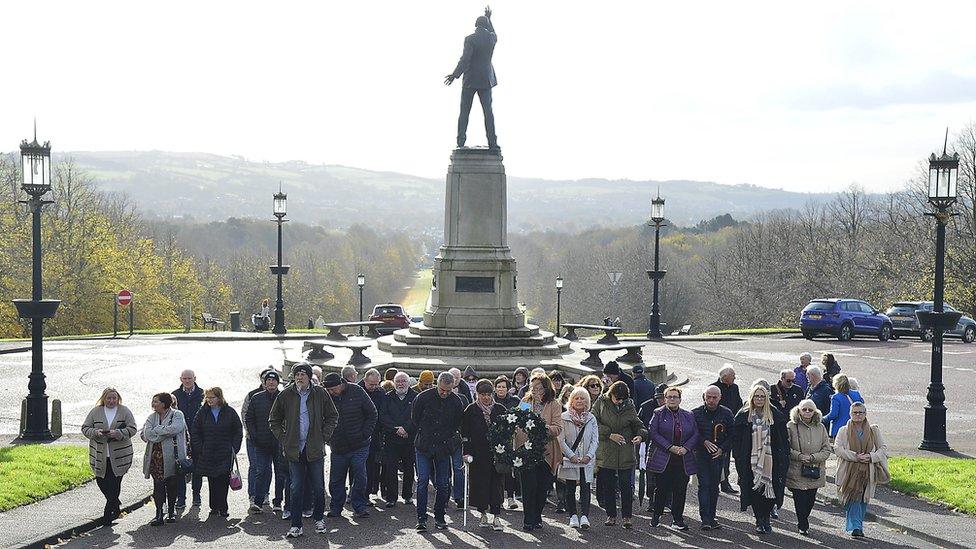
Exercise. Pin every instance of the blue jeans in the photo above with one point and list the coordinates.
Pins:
(262, 462)
(252, 474)
(301, 473)
(341, 465)
(709, 478)
(196, 484)
(440, 468)
(458, 467)
(855, 515)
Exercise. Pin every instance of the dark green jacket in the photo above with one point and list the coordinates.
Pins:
(609, 454)
(322, 415)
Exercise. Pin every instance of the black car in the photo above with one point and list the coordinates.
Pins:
(905, 323)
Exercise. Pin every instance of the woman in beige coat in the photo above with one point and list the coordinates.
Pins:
(109, 429)
(809, 450)
(165, 435)
(862, 464)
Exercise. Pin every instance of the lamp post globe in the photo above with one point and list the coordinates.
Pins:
(280, 208)
(361, 281)
(35, 159)
(943, 175)
(657, 218)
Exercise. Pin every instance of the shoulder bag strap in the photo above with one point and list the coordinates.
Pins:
(579, 437)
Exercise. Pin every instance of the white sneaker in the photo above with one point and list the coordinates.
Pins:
(307, 514)
(510, 503)
(485, 523)
(285, 515)
(496, 524)
(584, 522)
(294, 532)
(320, 526)
(574, 522)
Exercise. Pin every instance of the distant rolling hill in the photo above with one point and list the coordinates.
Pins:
(208, 187)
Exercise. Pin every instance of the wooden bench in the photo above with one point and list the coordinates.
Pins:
(610, 332)
(210, 320)
(334, 327)
(682, 331)
(632, 356)
(317, 350)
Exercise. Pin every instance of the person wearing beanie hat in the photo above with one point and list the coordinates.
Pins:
(264, 452)
(613, 373)
(252, 480)
(643, 387)
(350, 443)
(424, 382)
(520, 381)
(303, 419)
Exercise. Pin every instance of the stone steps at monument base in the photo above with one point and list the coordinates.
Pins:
(528, 330)
(404, 336)
(390, 345)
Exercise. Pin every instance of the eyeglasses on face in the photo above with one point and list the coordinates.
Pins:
(593, 386)
(673, 397)
(806, 409)
(858, 413)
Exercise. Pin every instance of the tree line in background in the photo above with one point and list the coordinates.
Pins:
(724, 274)
(96, 243)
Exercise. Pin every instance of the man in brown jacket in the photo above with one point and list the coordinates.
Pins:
(303, 418)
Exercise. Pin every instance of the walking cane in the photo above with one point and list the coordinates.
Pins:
(467, 478)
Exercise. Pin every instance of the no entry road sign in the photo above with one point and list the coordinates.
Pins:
(124, 297)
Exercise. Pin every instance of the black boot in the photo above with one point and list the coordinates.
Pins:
(159, 517)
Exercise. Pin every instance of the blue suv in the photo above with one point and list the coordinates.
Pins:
(844, 318)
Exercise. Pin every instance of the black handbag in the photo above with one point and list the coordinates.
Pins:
(810, 471)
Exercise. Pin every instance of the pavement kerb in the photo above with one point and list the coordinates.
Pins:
(869, 515)
(81, 528)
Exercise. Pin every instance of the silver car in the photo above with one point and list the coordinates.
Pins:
(904, 322)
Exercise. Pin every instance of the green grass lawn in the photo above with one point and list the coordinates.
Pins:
(122, 333)
(947, 480)
(755, 331)
(416, 299)
(35, 471)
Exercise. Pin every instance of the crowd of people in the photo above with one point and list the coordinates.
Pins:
(614, 435)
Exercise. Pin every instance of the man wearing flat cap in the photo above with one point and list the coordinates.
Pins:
(303, 418)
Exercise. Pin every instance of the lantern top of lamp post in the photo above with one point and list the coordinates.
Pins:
(946, 160)
(361, 280)
(35, 148)
(559, 282)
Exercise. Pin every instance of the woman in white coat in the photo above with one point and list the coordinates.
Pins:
(165, 435)
(578, 441)
(109, 428)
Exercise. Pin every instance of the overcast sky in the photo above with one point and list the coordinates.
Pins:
(806, 97)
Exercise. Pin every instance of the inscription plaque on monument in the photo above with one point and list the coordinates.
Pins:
(475, 284)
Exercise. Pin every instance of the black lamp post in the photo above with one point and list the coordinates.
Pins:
(559, 291)
(36, 165)
(361, 281)
(943, 173)
(657, 217)
(280, 203)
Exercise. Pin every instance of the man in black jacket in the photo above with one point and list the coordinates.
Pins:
(786, 394)
(437, 416)
(714, 423)
(252, 480)
(731, 399)
(479, 77)
(398, 432)
(189, 399)
(265, 454)
(349, 443)
(614, 374)
(371, 384)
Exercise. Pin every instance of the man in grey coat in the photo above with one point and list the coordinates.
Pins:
(479, 76)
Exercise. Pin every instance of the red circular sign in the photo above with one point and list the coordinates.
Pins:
(124, 297)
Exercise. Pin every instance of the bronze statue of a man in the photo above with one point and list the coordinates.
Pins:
(479, 76)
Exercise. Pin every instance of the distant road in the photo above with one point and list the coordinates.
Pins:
(415, 298)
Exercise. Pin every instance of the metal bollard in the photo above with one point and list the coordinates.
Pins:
(56, 423)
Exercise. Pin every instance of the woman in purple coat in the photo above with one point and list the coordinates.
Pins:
(673, 435)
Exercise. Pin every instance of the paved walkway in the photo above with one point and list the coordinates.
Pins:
(914, 524)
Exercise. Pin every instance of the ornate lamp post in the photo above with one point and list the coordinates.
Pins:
(280, 203)
(361, 281)
(943, 172)
(559, 291)
(36, 166)
(657, 217)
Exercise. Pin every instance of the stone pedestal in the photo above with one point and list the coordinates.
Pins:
(475, 284)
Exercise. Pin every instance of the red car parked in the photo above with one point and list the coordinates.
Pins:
(392, 316)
